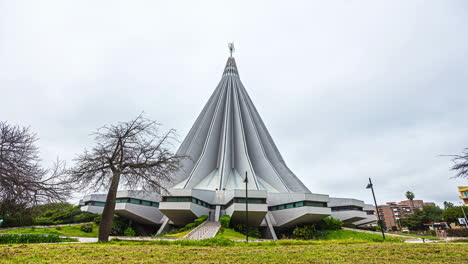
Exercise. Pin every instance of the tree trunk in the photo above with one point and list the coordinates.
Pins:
(108, 213)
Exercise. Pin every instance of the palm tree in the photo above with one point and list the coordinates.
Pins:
(410, 196)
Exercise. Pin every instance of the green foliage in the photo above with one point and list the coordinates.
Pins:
(433, 213)
(225, 221)
(119, 225)
(460, 232)
(428, 214)
(448, 205)
(129, 232)
(306, 232)
(87, 228)
(97, 219)
(71, 230)
(14, 214)
(26, 239)
(330, 223)
(253, 231)
(187, 227)
(229, 233)
(61, 213)
(409, 195)
(200, 220)
(452, 214)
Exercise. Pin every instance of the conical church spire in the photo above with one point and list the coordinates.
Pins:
(229, 139)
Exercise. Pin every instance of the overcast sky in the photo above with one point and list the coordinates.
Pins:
(348, 89)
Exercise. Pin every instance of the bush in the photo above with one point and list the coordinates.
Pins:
(330, 223)
(97, 219)
(304, 233)
(225, 220)
(129, 232)
(461, 232)
(253, 231)
(87, 228)
(58, 228)
(62, 213)
(24, 239)
(119, 225)
(200, 220)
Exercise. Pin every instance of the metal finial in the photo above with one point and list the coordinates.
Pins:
(231, 47)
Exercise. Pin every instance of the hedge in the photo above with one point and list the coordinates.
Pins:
(26, 239)
(461, 232)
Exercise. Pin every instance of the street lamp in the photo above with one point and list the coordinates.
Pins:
(370, 186)
(246, 209)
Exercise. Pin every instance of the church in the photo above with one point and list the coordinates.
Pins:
(232, 166)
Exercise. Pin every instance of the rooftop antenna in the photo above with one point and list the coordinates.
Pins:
(231, 47)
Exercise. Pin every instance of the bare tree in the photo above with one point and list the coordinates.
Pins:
(22, 179)
(132, 154)
(461, 164)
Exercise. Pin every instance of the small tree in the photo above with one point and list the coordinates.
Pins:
(448, 205)
(410, 196)
(452, 214)
(133, 154)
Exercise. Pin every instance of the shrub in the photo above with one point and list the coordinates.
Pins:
(457, 232)
(61, 214)
(87, 228)
(200, 220)
(330, 223)
(97, 219)
(58, 228)
(118, 226)
(377, 228)
(253, 231)
(24, 239)
(225, 220)
(305, 232)
(129, 232)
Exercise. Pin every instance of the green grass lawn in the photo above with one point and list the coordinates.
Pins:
(177, 235)
(240, 252)
(72, 230)
(230, 234)
(347, 234)
(418, 236)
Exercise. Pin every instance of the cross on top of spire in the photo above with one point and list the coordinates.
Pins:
(231, 47)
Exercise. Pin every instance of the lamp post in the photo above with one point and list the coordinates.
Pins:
(370, 186)
(246, 209)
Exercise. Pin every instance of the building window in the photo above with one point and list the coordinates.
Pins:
(99, 203)
(134, 201)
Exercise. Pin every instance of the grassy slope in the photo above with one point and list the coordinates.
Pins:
(230, 234)
(318, 252)
(426, 237)
(178, 235)
(73, 230)
(347, 234)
